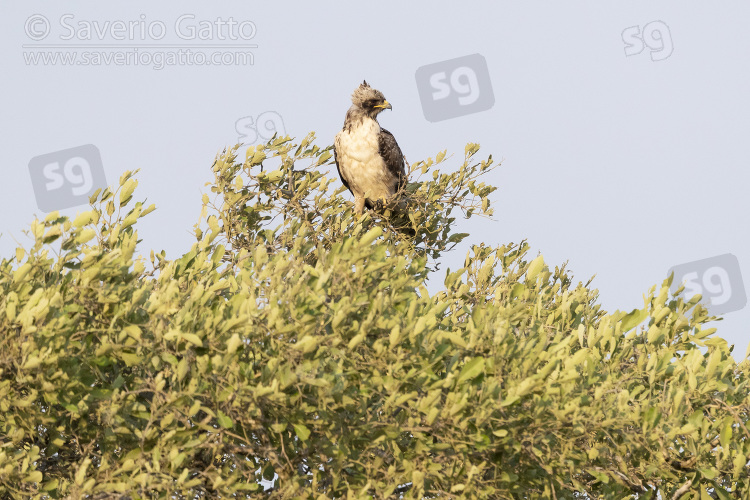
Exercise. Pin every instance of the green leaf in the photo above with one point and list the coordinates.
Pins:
(233, 343)
(193, 339)
(50, 485)
(182, 369)
(224, 420)
(726, 432)
(633, 319)
(127, 191)
(708, 473)
(457, 237)
(83, 219)
(472, 369)
(302, 432)
(34, 477)
(534, 268)
(130, 359)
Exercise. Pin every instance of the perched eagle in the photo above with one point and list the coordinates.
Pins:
(368, 159)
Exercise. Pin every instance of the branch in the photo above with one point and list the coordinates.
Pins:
(682, 490)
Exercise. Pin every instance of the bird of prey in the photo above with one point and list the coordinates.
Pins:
(368, 159)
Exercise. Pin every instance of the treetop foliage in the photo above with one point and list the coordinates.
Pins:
(294, 351)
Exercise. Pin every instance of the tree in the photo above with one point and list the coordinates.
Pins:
(298, 344)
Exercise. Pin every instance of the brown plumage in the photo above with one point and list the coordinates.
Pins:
(368, 158)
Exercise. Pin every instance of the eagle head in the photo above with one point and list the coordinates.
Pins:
(368, 99)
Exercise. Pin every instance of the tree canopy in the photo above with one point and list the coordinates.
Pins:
(295, 351)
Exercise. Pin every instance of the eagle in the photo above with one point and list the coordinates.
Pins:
(367, 156)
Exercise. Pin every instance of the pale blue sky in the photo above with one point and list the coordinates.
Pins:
(624, 166)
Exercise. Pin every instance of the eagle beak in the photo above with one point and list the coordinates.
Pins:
(385, 105)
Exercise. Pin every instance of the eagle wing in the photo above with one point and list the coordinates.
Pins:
(393, 157)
